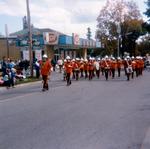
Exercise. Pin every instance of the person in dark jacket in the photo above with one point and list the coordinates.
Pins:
(53, 62)
(4, 66)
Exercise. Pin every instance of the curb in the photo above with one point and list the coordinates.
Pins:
(146, 142)
(20, 85)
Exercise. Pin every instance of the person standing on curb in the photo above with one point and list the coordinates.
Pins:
(4, 66)
(37, 68)
(45, 71)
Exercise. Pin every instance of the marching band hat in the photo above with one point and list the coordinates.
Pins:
(68, 58)
(45, 56)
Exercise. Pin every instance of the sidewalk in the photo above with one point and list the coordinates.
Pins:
(55, 76)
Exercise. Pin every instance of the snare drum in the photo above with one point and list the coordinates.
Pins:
(129, 69)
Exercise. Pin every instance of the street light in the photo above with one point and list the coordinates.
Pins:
(118, 31)
(30, 38)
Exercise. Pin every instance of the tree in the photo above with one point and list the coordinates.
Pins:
(143, 47)
(145, 28)
(147, 13)
(125, 13)
(146, 25)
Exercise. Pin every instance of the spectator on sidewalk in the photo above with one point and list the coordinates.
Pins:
(53, 62)
(37, 68)
(4, 66)
(9, 78)
(60, 64)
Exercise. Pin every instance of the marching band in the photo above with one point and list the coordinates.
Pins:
(107, 67)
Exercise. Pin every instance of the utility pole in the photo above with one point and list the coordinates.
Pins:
(118, 31)
(7, 42)
(30, 38)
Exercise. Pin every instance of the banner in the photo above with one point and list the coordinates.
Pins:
(51, 38)
(26, 55)
(38, 54)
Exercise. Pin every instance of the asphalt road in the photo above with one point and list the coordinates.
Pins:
(96, 114)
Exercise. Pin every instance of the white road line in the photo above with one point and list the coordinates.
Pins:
(16, 98)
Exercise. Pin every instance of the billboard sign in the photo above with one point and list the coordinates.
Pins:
(50, 38)
(76, 39)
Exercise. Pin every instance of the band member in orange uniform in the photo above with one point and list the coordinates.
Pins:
(102, 66)
(137, 66)
(128, 66)
(106, 64)
(113, 67)
(133, 66)
(45, 71)
(141, 65)
(91, 68)
(119, 64)
(77, 68)
(86, 68)
(73, 68)
(68, 68)
(81, 67)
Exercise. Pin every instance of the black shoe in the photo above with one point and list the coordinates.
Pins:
(43, 89)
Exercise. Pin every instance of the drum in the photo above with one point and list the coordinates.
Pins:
(129, 69)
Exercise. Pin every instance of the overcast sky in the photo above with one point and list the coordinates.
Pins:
(67, 16)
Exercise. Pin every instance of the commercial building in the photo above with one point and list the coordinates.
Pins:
(8, 48)
(53, 43)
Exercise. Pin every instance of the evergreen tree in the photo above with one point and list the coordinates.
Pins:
(89, 34)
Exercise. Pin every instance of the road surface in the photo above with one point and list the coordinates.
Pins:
(95, 114)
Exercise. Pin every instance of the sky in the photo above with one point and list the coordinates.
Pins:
(66, 16)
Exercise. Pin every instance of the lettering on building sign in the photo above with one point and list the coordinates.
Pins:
(24, 42)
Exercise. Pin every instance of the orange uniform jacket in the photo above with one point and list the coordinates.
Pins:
(106, 64)
(68, 67)
(137, 64)
(76, 66)
(119, 64)
(102, 64)
(141, 64)
(86, 66)
(113, 64)
(134, 65)
(81, 66)
(90, 66)
(46, 68)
